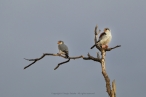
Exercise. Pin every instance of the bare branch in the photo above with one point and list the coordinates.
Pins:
(86, 58)
(96, 35)
(107, 79)
(95, 30)
(40, 57)
(76, 57)
(109, 49)
(114, 88)
(37, 59)
(29, 65)
(61, 64)
(50, 54)
(67, 61)
(92, 58)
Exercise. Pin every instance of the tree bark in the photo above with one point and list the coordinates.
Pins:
(111, 92)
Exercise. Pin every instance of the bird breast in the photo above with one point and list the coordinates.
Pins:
(106, 39)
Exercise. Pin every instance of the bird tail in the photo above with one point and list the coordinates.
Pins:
(92, 47)
(66, 54)
(94, 44)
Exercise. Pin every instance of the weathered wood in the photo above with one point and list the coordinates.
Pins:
(107, 79)
(114, 88)
(51, 54)
(111, 92)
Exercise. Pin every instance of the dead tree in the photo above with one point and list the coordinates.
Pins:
(111, 91)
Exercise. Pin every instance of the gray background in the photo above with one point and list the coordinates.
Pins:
(29, 28)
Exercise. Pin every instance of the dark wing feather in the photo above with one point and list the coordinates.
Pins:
(101, 35)
(66, 54)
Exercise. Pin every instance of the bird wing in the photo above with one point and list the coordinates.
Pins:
(102, 35)
(59, 47)
(63, 47)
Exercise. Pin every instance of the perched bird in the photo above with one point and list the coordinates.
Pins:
(63, 49)
(104, 38)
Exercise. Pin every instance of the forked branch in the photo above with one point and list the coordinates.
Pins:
(61, 64)
(37, 59)
(50, 54)
(111, 92)
(92, 58)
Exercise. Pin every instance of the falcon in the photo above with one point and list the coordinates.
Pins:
(63, 49)
(104, 39)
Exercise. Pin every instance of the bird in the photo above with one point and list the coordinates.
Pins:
(104, 39)
(63, 49)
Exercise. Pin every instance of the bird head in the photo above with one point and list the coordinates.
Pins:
(107, 30)
(60, 42)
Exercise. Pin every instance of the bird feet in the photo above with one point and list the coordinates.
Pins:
(104, 46)
(58, 54)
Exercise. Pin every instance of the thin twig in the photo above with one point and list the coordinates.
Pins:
(109, 49)
(61, 64)
(29, 65)
(96, 35)
(37, 59)
(92, 58)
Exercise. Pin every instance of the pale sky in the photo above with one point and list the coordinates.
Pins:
(30, 28)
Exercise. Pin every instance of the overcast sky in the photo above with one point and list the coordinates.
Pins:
(29, 28)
